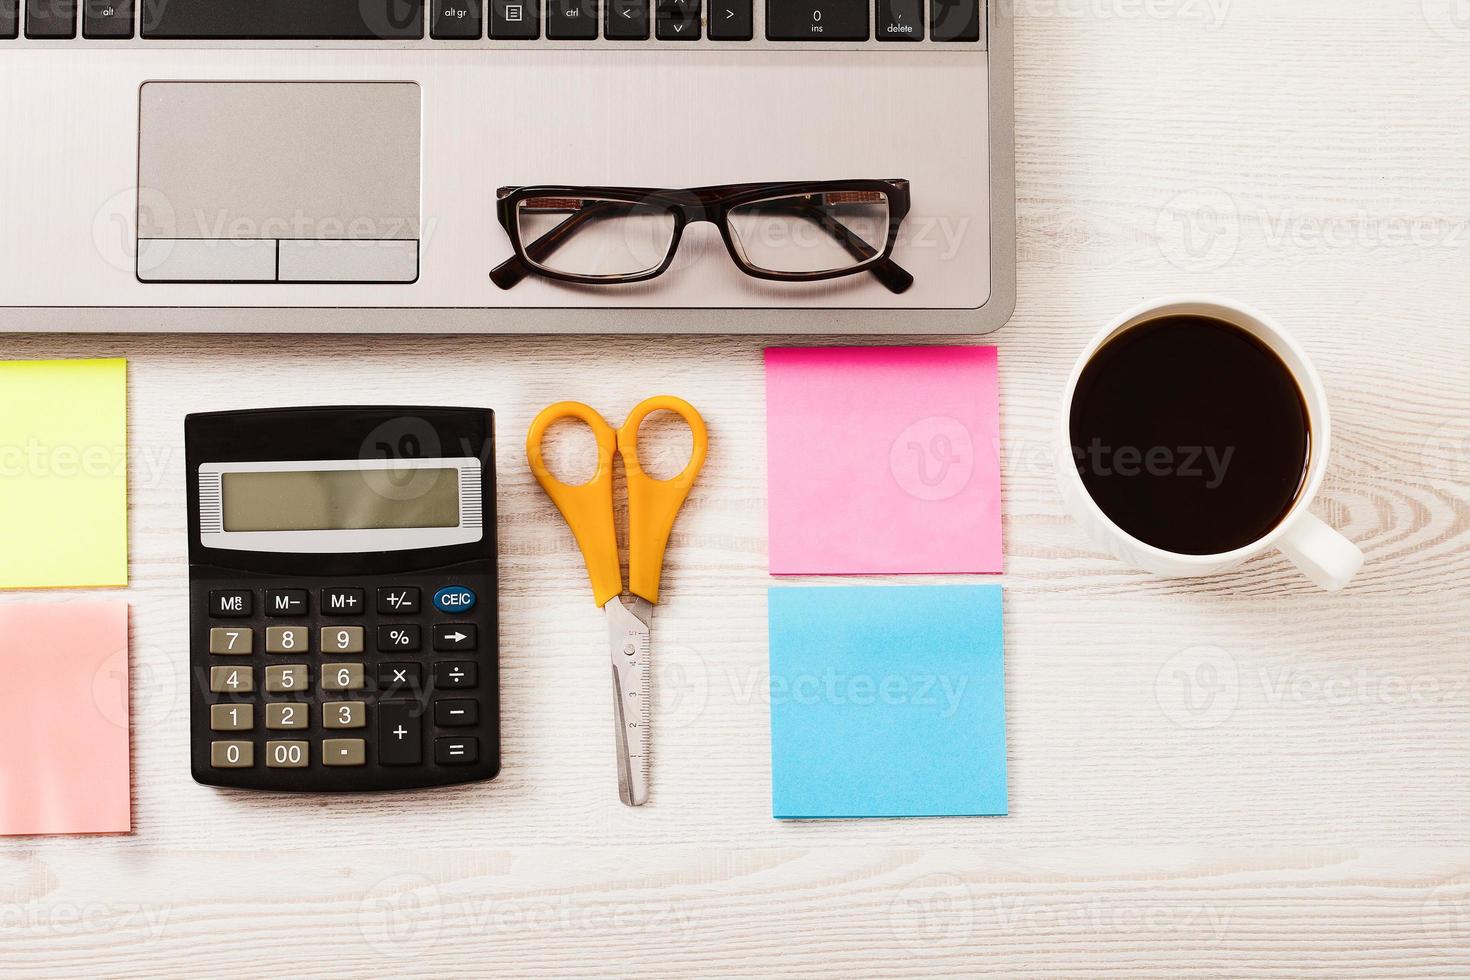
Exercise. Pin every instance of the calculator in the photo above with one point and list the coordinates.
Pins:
(342, 598)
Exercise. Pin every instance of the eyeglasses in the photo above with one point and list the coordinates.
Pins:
(784, 232)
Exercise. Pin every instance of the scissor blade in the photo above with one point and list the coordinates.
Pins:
(629, 629)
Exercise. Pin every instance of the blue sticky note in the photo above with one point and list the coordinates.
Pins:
(887, 702)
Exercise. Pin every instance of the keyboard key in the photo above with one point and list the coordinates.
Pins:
(51, 19)
(455, 636)
(456, 20)
(231, 680)
(900, 20)
(400, 678)
(456, 712)
(228, 603)
(286, 716)
(678, 20)
(343, 602)
(287, 755)
(955, 20)
(568, 20)
(515, 20)
(731, 20)
(456, 751)
(9, 19)
(231, 717)
(817, 20)
(342, 639)
(627, 20)
(285, 602)
(231, 755)
(344, 752)
(399, 601)
(285, 678)
(344, 714)
(451, 675)
(343, 677)
(231, 640)
(345, 20)
(405, 638)
(400, 733)
(107, 19)
(287, 639)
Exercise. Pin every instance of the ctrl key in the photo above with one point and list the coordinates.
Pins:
(232, 755)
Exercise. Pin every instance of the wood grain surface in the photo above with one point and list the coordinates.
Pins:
(1238, 776)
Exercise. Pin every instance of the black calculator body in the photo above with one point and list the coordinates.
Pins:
(342, 598)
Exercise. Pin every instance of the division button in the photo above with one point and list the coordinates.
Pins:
(731, 20)
(400, 733)
(229, 603)
(451, 675)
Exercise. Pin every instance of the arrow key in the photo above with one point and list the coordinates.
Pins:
(730, 20)
(455, 636)
(678, 20)
(627, 20)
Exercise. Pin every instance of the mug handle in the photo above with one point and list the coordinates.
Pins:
(1323, 553)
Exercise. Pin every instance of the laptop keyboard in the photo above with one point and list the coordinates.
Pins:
(672, 21)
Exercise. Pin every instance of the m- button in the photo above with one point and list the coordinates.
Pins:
(343, 602)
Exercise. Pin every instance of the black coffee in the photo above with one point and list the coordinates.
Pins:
(1190, 434)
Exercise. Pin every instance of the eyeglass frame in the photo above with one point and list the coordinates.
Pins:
(713, 204)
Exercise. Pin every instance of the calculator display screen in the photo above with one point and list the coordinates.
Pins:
(340, 500)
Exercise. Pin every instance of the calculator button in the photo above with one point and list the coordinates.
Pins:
(406, 637)
(344, 752)
(456, 712)
(287, 639)
(231, 640)
(285, 602)
(456, 751)
(455, 599)
(396, 601)
(455, 636)
(393, 676)
(344, 714)
(284, 678)
(231, 717)
(343, 602)
(287, 755)
(231, 680)
(285, 716)
(400, 733)
(455, 675)
(228, 603)
(341, 639)
(231, 755)
(343, 677)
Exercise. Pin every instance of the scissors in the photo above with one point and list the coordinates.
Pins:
(652, 506)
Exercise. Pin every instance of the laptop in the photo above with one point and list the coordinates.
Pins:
(349, 165)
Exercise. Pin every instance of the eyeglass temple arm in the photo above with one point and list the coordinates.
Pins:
(888, 272)
(510, 272)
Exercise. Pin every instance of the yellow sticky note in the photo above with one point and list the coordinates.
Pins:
(63, 474)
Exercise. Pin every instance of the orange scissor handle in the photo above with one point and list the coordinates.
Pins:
(653, 504)
(588, 508)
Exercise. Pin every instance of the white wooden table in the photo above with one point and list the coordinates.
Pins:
(1301, 807)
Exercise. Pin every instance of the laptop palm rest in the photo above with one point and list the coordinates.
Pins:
(290, 182)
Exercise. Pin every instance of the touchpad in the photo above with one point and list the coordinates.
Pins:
(278, 182)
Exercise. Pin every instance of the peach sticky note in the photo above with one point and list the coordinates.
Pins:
(63, 474)
(64, 761)
(883, 460)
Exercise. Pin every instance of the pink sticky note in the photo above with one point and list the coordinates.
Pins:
(883, 460)
(64, 762)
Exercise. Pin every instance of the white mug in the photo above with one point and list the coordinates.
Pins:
(1327, 558)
